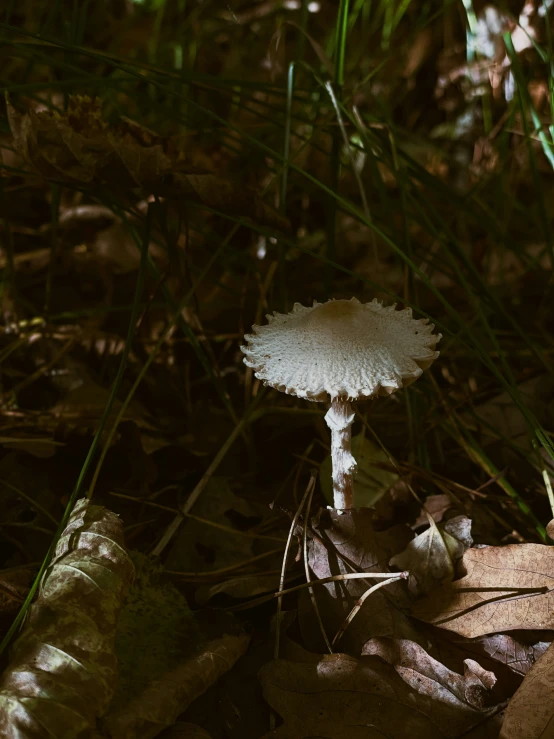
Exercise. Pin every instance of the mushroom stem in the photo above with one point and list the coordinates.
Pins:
(339, 418)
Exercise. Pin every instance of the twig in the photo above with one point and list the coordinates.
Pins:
(206, 521)
(307, 569)
(279, 594)
(206, 477)
(224, 570)
(324, 580)
(359, 604)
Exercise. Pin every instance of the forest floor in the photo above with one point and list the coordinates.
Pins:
(173, 171)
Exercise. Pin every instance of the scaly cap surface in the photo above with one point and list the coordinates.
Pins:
(341, 348)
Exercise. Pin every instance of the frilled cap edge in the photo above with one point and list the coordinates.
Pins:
(341, 348)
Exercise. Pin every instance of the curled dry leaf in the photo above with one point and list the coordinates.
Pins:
(63, 668)
(80, 147)
(340, 697)
(530, 712)
(505, 588)
(518, 652)
(435, 506)
(348, 543)
(431, 556)
(427, 675)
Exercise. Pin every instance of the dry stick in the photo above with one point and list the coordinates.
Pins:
(193, 497)
(278, 615)
(278, 595)
(307, 568)
(224, 570)
(206, 521)
(359, 604)
(324, 580)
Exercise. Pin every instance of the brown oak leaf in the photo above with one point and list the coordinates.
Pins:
(505, 588)
(530, 713)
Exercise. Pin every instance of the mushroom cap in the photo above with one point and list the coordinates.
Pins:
(341, 349)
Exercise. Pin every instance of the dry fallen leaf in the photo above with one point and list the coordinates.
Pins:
(505, 588)
(429, 676)
(340, 697)
(436, 506)
(530, 713)
(63, 669)
(79, 146)
(431, 556)
(516, 654)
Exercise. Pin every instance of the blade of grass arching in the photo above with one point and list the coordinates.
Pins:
(526, 104)
(419, 207)
(173, 303)
(284, 179)
(474, 346)
(506, 381)
(220, 85)
(385, 201)
(549, 60)
(466, 440)
(497, 434)
(93, 447)
(460, 256)
(350, 208)
(354, 211)
(334, 159)
(177, 315)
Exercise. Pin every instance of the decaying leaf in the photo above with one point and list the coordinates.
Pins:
(348, 543)
(168, 655)
(63, 668)
(518, 652)
(427, 675)
(14, 586)
(436, 506)
(530, 712)
(505, 588)
(431, 556)
(340, 697)
(80, 147)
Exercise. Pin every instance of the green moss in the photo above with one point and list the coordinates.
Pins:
(155, 629)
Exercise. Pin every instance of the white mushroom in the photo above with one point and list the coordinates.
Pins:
(340, 351)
